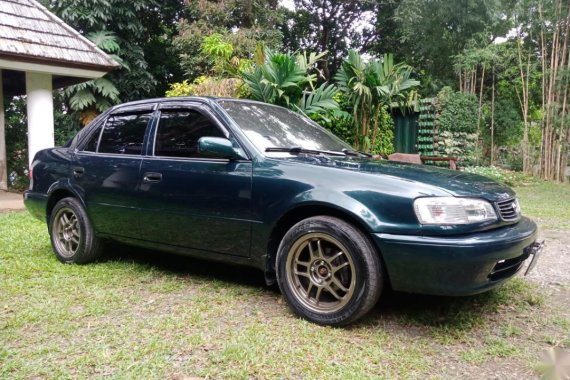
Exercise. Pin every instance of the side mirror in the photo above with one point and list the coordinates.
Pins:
(217, 147)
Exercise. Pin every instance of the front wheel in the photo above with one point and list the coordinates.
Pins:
(328, 271)
(71, 234)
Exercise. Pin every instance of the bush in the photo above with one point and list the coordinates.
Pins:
(457, 125)
(16, 143)
(507, 177)
(208, 86)
(458, 112)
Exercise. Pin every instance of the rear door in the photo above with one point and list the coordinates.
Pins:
(106, 169)
(190, 200)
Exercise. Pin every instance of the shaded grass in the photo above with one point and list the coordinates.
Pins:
(141, 314)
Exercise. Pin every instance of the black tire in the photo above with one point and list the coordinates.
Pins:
(329, 271)
(71, 233)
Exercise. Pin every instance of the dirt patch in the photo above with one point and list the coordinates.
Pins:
(553, 267)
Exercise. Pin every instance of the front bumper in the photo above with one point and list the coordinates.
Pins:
(460, 265)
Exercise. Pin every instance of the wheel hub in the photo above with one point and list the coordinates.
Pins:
(320, 272)
(68, 232)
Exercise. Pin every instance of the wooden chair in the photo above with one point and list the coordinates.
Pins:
(417, 159)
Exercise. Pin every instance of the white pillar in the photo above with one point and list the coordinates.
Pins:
(3, 162)
(40, 112)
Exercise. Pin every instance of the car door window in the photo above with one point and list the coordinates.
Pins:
(93, 141)
(179, 131)
(124, 133)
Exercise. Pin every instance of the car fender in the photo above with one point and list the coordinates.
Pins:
(60, 186)
(339, 201)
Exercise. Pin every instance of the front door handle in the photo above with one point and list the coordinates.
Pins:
(152, 177)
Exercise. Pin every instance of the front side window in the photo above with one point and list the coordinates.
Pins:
(179, 131)
(124, 134)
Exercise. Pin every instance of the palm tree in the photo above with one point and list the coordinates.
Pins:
(370, 87)
(287, 80)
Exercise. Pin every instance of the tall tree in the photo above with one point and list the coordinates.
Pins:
(334, 26)
(427, 33)
(143, 30)
(385, 36)
(554, 33)
(243, 23)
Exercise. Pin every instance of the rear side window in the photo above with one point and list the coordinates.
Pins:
(124, 134)
(179, 131)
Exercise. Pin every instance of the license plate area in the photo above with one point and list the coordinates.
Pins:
(535, 249)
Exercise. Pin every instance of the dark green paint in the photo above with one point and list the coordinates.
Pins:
(228, 209)
(217, 147)
(405, 133)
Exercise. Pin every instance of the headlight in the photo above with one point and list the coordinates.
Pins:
(451, 210)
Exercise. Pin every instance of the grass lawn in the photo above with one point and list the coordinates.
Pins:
(149, 315)
(547, 203)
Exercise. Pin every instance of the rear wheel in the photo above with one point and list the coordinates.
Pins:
(328, 271)
(71, 233)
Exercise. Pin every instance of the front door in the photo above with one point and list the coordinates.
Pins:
(190, 200)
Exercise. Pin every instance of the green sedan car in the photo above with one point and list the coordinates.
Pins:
(253, 184)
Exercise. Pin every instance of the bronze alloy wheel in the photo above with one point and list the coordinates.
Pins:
(72, 237)
(67, 232)
(321, 272)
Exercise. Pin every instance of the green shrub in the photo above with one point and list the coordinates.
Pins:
(16, 143)
(457, 125)
(507, 177)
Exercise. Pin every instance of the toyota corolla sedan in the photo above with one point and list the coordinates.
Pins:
(254, 184)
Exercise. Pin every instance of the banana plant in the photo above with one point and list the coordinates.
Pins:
(370, 87)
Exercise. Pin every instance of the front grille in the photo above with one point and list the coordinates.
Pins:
(507, 268)
(509, 210)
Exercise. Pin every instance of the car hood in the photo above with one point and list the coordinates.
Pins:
(455, 182)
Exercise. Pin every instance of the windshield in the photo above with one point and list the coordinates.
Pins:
(268, 126)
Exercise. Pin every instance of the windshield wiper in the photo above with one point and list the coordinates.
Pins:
(299, 150)
(355, 153)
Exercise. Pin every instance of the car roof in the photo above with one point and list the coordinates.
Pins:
(201, 99)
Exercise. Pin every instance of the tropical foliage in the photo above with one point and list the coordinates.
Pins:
(291, 81)
(88, 99)
(144, 32)
(208, 86)
(512, 56)
(371, 87)
(240, 24)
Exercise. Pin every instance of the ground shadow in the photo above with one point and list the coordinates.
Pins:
(450, 313)
(181, 265)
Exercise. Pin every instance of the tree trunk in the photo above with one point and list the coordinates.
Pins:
(479, 111)
(524, 103)
(493, 121)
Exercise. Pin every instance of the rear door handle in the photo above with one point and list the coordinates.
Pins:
(78, 171)
(152, 177)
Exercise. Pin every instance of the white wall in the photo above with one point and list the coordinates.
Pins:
(40, 112)
(3, 163)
